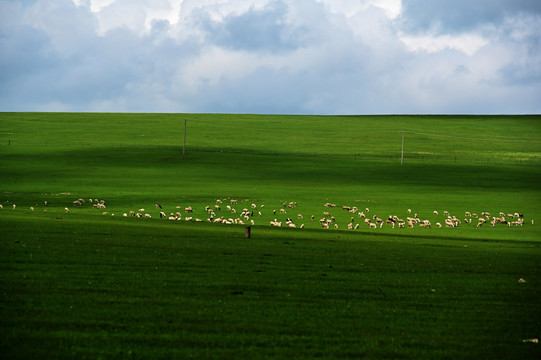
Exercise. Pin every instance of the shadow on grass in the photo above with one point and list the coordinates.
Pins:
(209, 166)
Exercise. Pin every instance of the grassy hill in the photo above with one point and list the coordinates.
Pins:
(87, 284)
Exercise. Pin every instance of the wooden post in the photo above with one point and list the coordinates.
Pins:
(402, 157)
(248, 232)
(184, 147)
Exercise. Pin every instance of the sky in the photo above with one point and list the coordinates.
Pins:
(271, 56)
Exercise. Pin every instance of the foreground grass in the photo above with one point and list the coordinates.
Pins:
(86, 285)
(88, 289)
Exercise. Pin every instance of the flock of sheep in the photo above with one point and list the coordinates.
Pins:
(225, 212)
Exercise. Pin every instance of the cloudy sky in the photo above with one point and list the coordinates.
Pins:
(271, 56)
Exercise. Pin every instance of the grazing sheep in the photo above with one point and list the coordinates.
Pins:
(234, 202)
(435, 212)
(438, 224)
(14, 206)
(373, 226)
(189, 209)
(357, 226)
(31, 208)
(158, 206)
(66, 209)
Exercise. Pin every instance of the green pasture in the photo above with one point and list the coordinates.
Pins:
(92, 283)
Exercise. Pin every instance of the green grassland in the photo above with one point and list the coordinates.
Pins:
(87, 284)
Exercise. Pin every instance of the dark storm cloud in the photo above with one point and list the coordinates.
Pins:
(461, 15)
(263, 29)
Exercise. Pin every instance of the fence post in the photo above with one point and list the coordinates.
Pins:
(402, 157)
(184, 147)
(248, 232)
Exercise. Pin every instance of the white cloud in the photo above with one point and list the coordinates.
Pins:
(467, 43)
(272, 56)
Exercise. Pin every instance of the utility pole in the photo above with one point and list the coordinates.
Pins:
(184, 147)
(402, 157)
